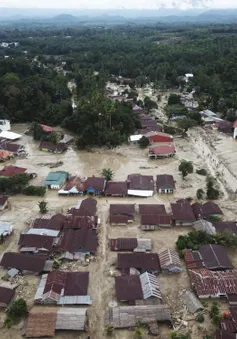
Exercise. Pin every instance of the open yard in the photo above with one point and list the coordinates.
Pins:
(123, 160)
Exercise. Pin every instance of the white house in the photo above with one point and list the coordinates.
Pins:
(5, 125)
(188, 76)
(235, 130)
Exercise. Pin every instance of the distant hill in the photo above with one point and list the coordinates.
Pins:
(65, 18)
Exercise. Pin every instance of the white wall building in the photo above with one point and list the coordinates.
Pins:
(5, 125)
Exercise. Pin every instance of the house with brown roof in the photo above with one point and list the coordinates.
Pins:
(63, 288)
(15, 149)
(51, 147)
(165, 183)
(137, 288)
(116, 188)
(3, 202)
(74, 186)
(142, 262)
(162, 151)
(183, 213)
(213, 284)
(11, 171)
(95, 185)
(44, 321)
(36, 243)
(121, 214)
(81, 240)
(226, 226)
(207, 210)
(81, 221)
(26, 263)
(140, 185)
(55, 222)
(86, 207)
(131, 244)
(151, 209)
(6, 295)
(149, 222)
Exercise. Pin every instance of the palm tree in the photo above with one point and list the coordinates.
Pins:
(43, 207)
(107, 173)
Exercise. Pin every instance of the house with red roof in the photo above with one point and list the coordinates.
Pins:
(163, 150)
(11, 171)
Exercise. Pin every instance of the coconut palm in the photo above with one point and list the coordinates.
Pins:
(107, 173)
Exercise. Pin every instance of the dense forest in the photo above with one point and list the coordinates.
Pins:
(31, 89)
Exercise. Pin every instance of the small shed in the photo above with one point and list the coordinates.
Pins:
(6, 295)
(170, 261)
(192, 302)
(6, 228)
(3, 202)
(204, 225)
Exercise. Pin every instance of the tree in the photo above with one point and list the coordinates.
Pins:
(17, 310)
(186, 123)
(212, 188)
(200, 194)
(43, 207)
(107, 173)
(174, 99)
(149, 104)
(53, 137)
(34, 190)
(215, 313)
(185, 167)
(200, 318)
(144, 142)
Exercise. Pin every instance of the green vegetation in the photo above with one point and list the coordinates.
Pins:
(176, 335)
(186, 123)
(200, 193)
(202, 171)
(107, 173)
(14, 184)
(43, 207)
(138, 333)
(109, 330)
(144, 142)
(185, 167)
(15, 312)
(195, 239)
(149, 104)
(212, 188)
(215, 313)
(200, 318)
(34, 190)
(174, 99)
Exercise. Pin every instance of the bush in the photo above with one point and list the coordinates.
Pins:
(200, 193)
(200, 318)
(109, 330)
(215, 313)
(16, 311)
(213, 192)
(34, 190)
(185, 167)
(202, 171)
(144, 142)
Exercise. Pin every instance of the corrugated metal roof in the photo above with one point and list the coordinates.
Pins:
(215, 257)
(152, 209)
(143, 261)
(192, 302)
(6, 228)
(128, 288)
(157, 220)
(169, 257)
(43, 231)
(164, 180)
(150, 286)
(204, 225)
(23, 262)
(71, 319)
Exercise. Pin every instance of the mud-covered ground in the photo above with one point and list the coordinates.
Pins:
(123, 160)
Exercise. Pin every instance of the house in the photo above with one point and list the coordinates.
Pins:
(151, 209)
(131, 244)
(63, 288)
(135, 138)
(149, 222)
(140, 185)
(161, 151)
(95, 185)
(51, 147)
(11, 171)
(74, 186)
(183, 213)
(5, 125)
(204, 225)
(36, 243)
(159, 137)
(26, 263)
(170, 261)
(226, 226)
(3, 202)
(81, 221)
(86, 207)
(55, 222)
(66, 139)
(44, 321)
(225, 127)
(6, 295)
(145, 130)
(165, 183)
(15, 149)
(188, 76)
(213, 284)
(116, 189)
(82, 240)
(129, 316)
(207, 210)
(55, 180)
(6, 228)
(134, 288)
(192, 302)
(10, 135)
(142, 262)
(5, 155)
(46, 128)
(215, 257)
(121, 214)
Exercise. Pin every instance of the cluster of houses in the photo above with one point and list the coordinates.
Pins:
(48, 240)
(155, 216)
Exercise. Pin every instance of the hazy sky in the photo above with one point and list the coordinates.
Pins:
(113, 3)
